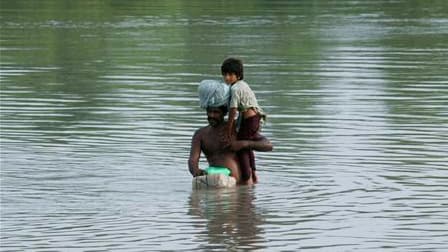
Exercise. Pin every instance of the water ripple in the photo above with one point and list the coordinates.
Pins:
(99, 104)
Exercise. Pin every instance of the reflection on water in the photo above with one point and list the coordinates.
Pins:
(232, 220)
(99, 104)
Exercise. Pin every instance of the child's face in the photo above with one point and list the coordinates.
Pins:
(230, 78)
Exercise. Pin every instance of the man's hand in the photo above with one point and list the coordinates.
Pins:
(198, 172)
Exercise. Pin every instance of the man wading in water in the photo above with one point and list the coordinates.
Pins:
(209, 139)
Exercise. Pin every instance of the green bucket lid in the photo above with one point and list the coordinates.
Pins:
(217, 170)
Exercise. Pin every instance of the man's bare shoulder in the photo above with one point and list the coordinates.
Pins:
(201, 131)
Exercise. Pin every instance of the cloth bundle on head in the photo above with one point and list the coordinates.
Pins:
(213, 93)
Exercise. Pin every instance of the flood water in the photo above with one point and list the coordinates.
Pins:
(99, 104)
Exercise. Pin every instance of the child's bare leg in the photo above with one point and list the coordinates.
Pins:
(252, 165)
(245, 168)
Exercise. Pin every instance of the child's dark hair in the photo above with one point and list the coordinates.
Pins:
(232, 65)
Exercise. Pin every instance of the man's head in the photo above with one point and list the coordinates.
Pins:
(232, 70)
(215, 115)
(213, 93)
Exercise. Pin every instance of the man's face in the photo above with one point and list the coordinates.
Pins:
(214, 116)
(230, 78)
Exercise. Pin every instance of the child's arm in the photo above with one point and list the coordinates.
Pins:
(233, 110)
(231, 122)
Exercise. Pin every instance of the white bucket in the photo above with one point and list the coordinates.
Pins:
(213, 181)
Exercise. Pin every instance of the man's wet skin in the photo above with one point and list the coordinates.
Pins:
(214, 116)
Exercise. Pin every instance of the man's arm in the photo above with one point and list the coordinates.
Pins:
(263, 144)
(195, 154)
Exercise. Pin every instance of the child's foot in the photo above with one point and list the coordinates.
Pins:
(246, 183)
